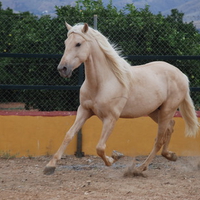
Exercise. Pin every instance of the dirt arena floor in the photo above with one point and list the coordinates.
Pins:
(88, 178)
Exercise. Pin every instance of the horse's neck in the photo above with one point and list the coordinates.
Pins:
(97, 71)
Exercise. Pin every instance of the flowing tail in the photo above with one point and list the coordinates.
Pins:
(189, 115)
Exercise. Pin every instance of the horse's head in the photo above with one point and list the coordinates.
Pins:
(76, 50)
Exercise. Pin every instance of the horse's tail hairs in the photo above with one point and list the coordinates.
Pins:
(188, 113)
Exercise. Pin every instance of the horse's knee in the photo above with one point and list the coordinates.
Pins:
(100, 150)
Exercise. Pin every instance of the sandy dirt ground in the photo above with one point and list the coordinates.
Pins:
(88, 178)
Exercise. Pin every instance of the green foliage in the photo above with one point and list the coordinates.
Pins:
(136, 32)
(7, 155)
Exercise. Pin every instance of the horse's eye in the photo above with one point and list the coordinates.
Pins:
(78, 44)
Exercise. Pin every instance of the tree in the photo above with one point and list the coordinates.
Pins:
(136, 32)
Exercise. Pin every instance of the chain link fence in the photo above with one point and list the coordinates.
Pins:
(31, 49)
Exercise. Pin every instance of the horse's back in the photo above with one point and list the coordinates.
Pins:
(158, 66)
(161, 71)
(154, 84)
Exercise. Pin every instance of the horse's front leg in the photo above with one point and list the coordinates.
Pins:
(108, 125)
(82, 116)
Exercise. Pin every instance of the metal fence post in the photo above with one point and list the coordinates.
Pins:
(95, 22)
(79, 153)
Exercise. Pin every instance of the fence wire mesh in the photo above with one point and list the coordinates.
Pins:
(28, 34)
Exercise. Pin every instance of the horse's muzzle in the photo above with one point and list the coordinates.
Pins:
(64, 72)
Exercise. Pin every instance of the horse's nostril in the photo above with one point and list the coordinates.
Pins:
(64, 68)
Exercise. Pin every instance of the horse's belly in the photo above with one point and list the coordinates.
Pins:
(141, 108)
(132, 113)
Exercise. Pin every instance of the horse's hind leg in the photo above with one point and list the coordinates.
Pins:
(163, 119)
(167, 137)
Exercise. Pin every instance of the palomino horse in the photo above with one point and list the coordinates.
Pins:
(113, 89)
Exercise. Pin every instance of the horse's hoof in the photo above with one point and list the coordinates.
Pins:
(133, 172)
(49, 170)
(138, 173)
(117, 155)
(171, 156)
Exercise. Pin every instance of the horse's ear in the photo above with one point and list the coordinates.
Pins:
(68, 26)
(85, 28)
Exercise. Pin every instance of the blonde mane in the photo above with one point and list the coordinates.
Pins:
(118, 65)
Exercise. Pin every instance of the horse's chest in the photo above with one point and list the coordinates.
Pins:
(95, 106)
(88, 104)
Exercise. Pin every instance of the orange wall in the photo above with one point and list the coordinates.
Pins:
(42, 135)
